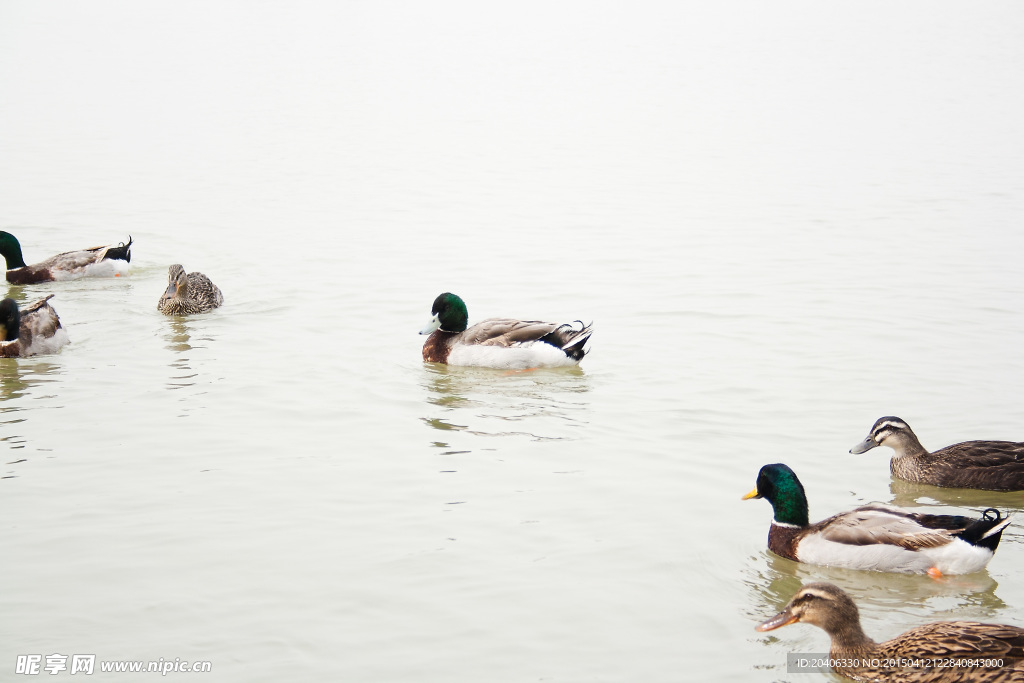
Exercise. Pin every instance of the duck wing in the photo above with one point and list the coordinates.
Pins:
(72, 260)
(877, 524)
(981, 453)
(997, 465)
(38, 321)
(506, 332)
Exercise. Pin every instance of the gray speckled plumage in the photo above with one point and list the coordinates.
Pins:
(188, 294)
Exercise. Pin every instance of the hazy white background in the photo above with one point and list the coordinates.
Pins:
(785, 220)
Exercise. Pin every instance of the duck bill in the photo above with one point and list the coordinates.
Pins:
(753, 494)
(171, 291)
(783, 618)
(434, 323)
(864, 446)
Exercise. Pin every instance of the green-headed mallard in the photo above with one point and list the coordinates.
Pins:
(31, 330)
(967, 651)
(990, 465)
(188, 294)
(95, 261)
(875, 536)
(499, 342)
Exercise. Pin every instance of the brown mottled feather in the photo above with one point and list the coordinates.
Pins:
(992, 465)
(195, 293)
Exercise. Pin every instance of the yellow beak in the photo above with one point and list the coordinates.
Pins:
(753, 494)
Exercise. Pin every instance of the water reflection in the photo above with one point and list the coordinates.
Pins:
(482, 402)
(179, 336)
(21, 380)
(909, 494)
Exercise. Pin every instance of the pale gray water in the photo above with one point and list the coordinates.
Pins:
(785, 221)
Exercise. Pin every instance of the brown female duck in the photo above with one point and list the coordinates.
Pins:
(990, 465)
(966, 651)
(188, 294)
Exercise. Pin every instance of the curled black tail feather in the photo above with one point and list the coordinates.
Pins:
(980, 533)
(569, 339)
(122, 252)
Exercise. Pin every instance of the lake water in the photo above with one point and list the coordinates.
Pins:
(785, 221)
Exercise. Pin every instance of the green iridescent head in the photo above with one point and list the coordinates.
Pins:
(450, 314)
(779, 485)
(11, 249)
(10, 320)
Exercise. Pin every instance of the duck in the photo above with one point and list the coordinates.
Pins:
(188, 294)
(951, 645)
(875, 536)
(70, 265)
(35, 329)
(500, 342)
(988, 465)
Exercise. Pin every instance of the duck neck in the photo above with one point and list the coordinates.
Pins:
(11, 249)
(906, 445)
(848, 638)
(790, 504)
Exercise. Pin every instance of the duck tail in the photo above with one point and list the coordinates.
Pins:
(987, 531)
(570, 339)
(36, 305)
(122, 252)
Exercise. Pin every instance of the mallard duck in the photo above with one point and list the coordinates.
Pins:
(32, 330)
(991, 465)
(875, 536)
(950, 645)
(95, 261)
(499, 342)
(188, 294)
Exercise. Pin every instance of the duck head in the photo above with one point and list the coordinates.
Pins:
(449, 314)
(888, 431)
(779, 485)
(10, 320)
(177, 283)
(822, 604)
(11, 249)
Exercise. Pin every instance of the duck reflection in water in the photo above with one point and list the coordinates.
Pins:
(179, 341)
(482, 402)
(22, 380)
(771, 582)
(911, 494)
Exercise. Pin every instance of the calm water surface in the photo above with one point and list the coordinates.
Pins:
(785, 222)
